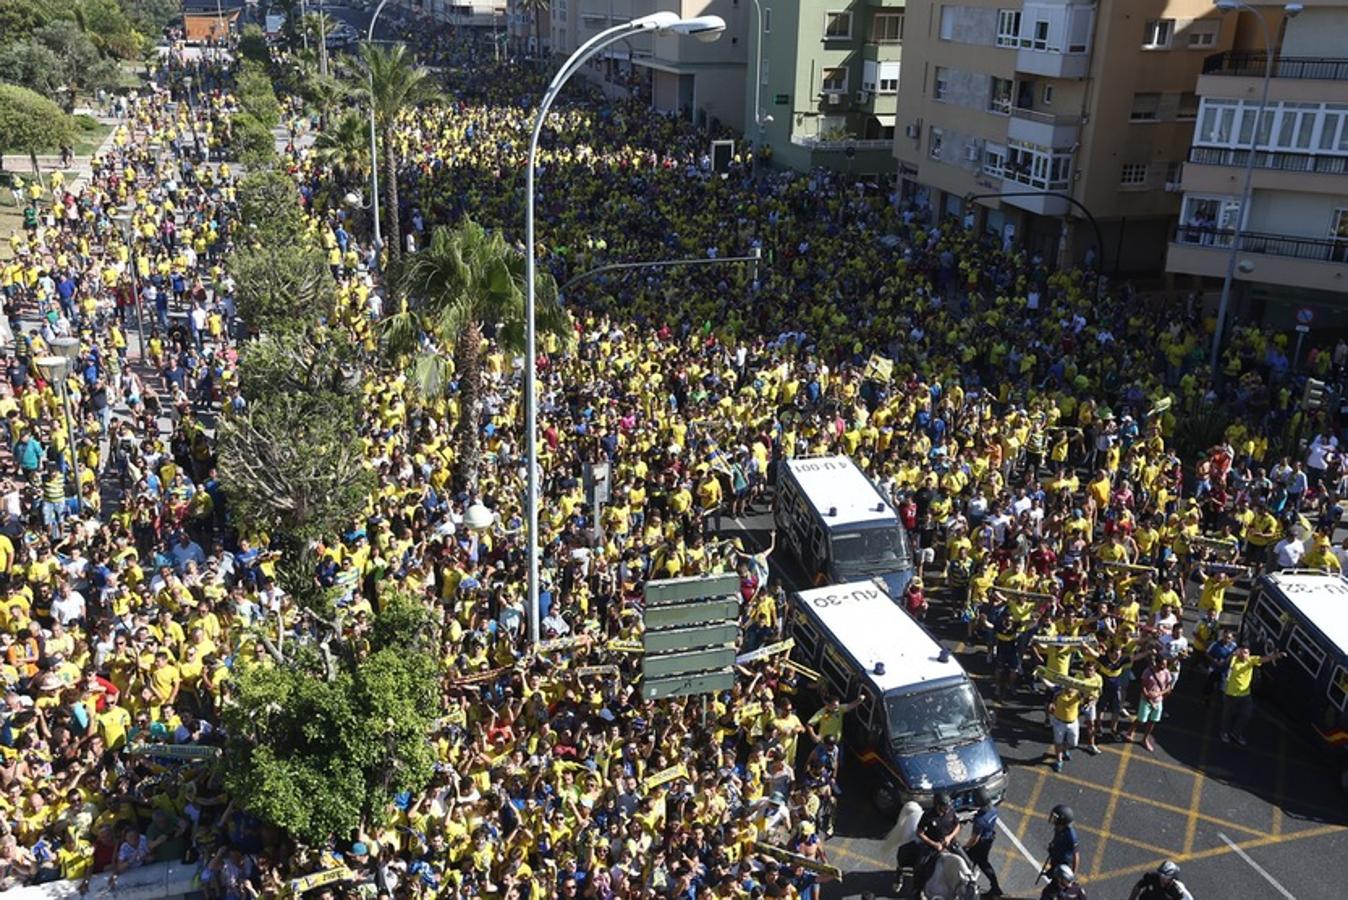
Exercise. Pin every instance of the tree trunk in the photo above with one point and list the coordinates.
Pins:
(468, 362)
(37, 170)
(393, 237)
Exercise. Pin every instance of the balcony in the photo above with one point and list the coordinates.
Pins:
(1045, 129)
(1053, 64)
(1315, 263)
(814, 143)
(1253, 65)
(1266, 159)
(1214, 170)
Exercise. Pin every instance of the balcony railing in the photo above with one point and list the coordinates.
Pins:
(1322, 250)
(814, 143)
(1046, 118)
(1323, 68)
(1268, 159)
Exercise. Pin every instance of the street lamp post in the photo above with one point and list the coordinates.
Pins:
(56, 370)
(1224, 305)
(374, 147)
(191, 114)
(126, 226)
(759, 119)
(704, 28)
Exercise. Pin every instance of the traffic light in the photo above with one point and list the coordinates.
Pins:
(1313, 397)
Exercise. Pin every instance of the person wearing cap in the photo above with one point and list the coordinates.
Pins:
(1162, 884)
(1063, 885)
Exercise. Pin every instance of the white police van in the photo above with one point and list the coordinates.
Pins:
(1304, 613)
(838, 525)
(921, 725)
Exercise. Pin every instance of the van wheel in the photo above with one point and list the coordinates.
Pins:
(887, 800)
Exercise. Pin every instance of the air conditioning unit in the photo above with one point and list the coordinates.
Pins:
(835, 99)
(863, 97)
(912, 131)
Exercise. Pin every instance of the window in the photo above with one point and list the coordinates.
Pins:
(1334, 128)
(994, 159)
(1338, 233)
(935, 137)
(1038, 167)
(1302, 649)
(1157, 34)
(887, 28)
(1187, 111)
(1268, 619)
(835, 80)
(767, 20)
(870, 74)
(889, 78)
(1338, 688)
(1146, 108)
(1040, 39)
(1008, 28)
(999, 96)
(837, 26)
(1216, 120)
(1048, 95)
(1133, 174)
(947, 23)
(1172, 172)
(1296, 125)
(1201, 35)
(941, 84)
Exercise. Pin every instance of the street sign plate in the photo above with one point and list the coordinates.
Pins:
(688, 662)
(686, 685)
(675, 639)
(1305, 315)
(682, 614)
(1303, 329)
(695, 587)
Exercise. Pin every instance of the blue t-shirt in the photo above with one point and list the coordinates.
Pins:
(1063, 845)
(985, 825)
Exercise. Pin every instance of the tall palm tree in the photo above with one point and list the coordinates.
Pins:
(392, 83)
(345, 147)
(324, 94)
(533, 9)
(464, 279)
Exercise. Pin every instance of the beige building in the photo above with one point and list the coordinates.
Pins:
(1293, 252)
(676, 75)
(1036, 109)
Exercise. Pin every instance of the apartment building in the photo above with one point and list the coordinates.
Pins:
(1026, 116)
(823, 82)
(1293, 249)
(700, 81)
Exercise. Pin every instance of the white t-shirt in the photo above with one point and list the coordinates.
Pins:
(1320, 448)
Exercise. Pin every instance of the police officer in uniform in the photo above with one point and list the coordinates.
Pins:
(980, 842)
(1163, 884)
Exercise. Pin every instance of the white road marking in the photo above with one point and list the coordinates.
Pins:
(1015, 842)
(1258, 868)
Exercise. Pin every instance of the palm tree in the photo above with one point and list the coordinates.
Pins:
(324, 93)
(393, 83)
(533, 9)
(464, 279)
(345, 147)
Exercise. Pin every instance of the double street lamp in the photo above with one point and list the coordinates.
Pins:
(124, 219)
(374, 147)
(704, 28)
(55, 370)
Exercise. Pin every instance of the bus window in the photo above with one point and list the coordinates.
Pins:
(1268, 618)
(806, 638)
(1305, 652)
(1338, 688)
(836, 673)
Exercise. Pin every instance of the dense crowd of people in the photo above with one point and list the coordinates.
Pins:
(1029, 435)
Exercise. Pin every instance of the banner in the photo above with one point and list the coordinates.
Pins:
(663, 777)
(1067, 681)
(805, 671)
(585, 671)
(1066, 640)
(765, 651)
(563, 643)
(617, 645)
(319, 879)
(175, 751)
(796, 859)
(879, 368)
(480, 677)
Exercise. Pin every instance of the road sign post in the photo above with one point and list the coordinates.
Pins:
(691, 631)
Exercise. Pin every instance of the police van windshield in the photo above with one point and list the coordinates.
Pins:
(870, 550)
(932, 719)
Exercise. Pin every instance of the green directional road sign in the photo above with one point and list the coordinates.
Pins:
(687, 685)
(659, 617)
(696, 587)
(672, 640)
(688, 662)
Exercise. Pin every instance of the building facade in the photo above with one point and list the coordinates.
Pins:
(1293, 252)
(1023, 117)
(701, 81)
(823, 82)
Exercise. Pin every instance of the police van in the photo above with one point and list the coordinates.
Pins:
(838, 526)
(921, 726)
(1304, 613)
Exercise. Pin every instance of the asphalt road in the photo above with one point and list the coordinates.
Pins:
(1264, 821)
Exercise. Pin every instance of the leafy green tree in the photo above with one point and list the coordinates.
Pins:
(314, 361)
(345, 148)
(253, 142)
(463, 279)
(257, 96)
(30, 122)
(34, 66)
(269, 203)
(108, 27)
(253, 44)
(281, 287)
(291, 464)
(326, 736)
(150, 16)
(392, 83)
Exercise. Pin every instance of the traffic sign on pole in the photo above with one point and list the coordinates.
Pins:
(709, 611)
(691, 631)
(673, 640)
(666, 664)
(696, 587)
(687, 685)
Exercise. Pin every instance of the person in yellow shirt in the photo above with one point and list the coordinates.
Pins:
(1237, 705)
(1065, 708)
